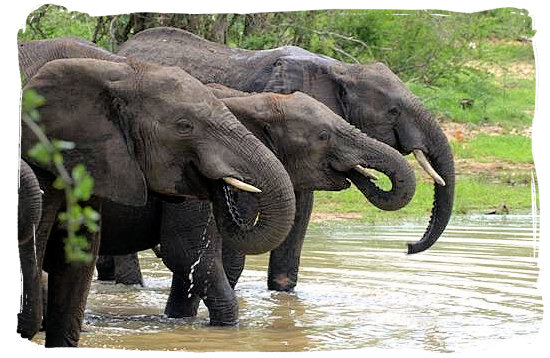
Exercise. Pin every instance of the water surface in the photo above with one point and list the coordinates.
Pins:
(357, 289)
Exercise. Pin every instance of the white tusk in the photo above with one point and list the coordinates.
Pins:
(419, 155)
(365, 172)
(240, 185)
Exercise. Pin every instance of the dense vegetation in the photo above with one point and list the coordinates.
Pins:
(474, 71)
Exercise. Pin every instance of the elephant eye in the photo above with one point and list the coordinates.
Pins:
(394, 111)
(324, 135)
(184, 126)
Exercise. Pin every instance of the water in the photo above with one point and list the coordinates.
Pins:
(357, 289)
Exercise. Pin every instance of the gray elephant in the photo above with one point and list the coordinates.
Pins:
(29, 212)
(319, 150)
(370, 97)
(143, 131)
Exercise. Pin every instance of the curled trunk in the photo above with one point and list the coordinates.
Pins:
(275, 204)
(383, 158)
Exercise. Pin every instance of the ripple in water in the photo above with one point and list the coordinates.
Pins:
(357, 289)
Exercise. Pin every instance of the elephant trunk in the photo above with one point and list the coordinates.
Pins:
(440, 157)
(424, 134)
(271, 211)
(383, 158)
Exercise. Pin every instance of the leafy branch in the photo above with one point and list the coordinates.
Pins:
(77, 185)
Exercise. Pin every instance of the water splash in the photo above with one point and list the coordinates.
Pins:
(201, 254)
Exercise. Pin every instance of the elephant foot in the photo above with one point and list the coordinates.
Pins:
(105, 266)
(127, 270)
(180, 307)
(215, 323)
(224, 317)
(27, 326)
(281, 283)
(68, 342)
(223, 307)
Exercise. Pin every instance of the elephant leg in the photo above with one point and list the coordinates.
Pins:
(30, 317)
(33, 309)
(284, 261)
(119, 268)
(233, 264)
(220, 298)
(127, 270)
(181, 302)
(105, 267)
(191, 248)
(68, 287)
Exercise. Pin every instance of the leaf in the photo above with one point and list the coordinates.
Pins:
(40, 153)
(90, 213)
(59, 183)
(83, 188)
(31, 100)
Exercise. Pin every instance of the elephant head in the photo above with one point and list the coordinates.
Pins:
(140, 127)
(319, 149)
(375, 100)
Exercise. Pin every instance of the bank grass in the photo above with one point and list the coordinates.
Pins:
(480, 99)
(487, 148)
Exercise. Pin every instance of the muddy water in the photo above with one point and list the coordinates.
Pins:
(357, 289)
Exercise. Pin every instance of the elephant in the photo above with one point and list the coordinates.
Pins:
(371, 97)
(142, 130)
(319, 150)
(28, 218)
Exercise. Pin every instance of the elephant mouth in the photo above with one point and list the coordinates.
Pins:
(242, 206)
(239, 198)
(194, 181)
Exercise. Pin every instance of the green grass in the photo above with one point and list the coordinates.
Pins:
(505, 101)
(473, 194)
(506, 52)
(488, 148)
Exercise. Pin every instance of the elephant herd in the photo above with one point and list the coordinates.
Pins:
(208, 153)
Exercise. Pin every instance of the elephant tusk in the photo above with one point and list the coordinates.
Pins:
(423, 161)
(365, 172)
(241, 185)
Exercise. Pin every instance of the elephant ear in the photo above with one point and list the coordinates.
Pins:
(221, 91)
(85, 104)
(312, 75)
(257, 112)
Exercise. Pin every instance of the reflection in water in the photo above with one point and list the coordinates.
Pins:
(357, 289)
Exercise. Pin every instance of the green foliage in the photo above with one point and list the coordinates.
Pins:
(420, 45)
(51, 21)
(77, 187)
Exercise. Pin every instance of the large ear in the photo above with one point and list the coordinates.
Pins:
(264, 107)
(221, 91)
(312, 75)
(82, 107)
(257, 113)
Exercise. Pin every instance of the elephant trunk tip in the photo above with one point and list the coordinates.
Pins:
(414, 248)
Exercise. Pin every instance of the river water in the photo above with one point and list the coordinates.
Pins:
(357, 289)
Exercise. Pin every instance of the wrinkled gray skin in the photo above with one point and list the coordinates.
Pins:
(143, 131)
(319, 151)
(28, 218)
(370, 97)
